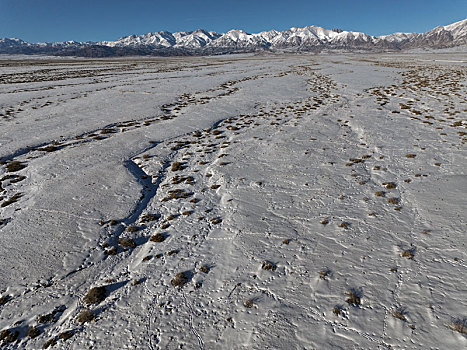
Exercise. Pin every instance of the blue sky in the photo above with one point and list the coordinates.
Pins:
(94, 20)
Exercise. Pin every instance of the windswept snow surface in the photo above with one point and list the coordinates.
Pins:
(235, 202)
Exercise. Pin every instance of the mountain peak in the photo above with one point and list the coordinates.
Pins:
(201, 41)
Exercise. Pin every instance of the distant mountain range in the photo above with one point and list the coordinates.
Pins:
(202, 42)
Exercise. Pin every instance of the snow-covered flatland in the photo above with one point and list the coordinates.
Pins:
(295, 201)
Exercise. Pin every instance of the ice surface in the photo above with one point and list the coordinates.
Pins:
(303, 202)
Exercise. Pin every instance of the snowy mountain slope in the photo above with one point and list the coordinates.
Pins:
(205, 42)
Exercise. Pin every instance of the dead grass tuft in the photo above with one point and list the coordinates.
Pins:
(132, 229)
(86, 316)
(267, 265)
(393, 200)
(33, 332)
(66, 335)
(459, 325)
(158, 237)
(95, 295)
(408, 253)
(9, 335)
(180, 279)
(354, 298)
(127, 242)
(14, 166)
(249, 303)
(50, 342)
(205, 268)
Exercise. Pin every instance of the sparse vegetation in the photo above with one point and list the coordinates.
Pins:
(249, 303)
(127, 242)
(459, 325)
(49, 343)
(267, 265)
(158, 237)
(205, 268)
(95, 295)
(400, 314)
(354, 298)
(33, 332)
(86, 316)
(66, 335)
(9, 335)
(15, 166)
(180, 279)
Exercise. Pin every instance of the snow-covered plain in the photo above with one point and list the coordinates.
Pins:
(303, 202)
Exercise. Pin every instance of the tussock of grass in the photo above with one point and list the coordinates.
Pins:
(267, 265)
(95, 295)
(33, 332)
(14, 166)
(354, 298)
(9, 335)
(127, 242)
(180, 279)
(158, 237)
(66, 335)
(86, 316)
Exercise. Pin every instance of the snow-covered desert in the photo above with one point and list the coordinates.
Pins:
(279, 201)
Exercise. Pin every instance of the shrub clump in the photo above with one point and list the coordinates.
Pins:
(95, 295)
(86, 316)
(8, 335)
(33, 332)
(180, 279)
(127, 242)
(14, 166)
(158, 237)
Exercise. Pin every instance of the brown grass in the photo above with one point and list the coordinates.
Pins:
(408, 253)
(14, 166)
(399, 314)
(86, 316)
(9, 335)
(95, 295)
(33, 332)
(127, 242)
(205, 268)
(50, 342)
(158, 237)
(353, 298)
(267, 265)
(66, 335)
(180, 279)
(459, 325)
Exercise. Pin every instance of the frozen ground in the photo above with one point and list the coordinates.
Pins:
(296, 202)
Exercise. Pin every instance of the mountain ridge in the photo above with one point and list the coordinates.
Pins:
(202, 42)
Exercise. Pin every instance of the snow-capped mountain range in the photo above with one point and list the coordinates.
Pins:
(310, 38)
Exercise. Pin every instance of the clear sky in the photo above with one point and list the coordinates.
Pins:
(95, 20)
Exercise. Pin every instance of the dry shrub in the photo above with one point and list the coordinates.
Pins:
(180, 279)
(95, 295)
(459, 325)
(14, 166)
(354, 298)
(9, 335)
(158, 237)
(66, 335)
(127, 242)
(33, 332)
(86, 316)
(267, 265)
